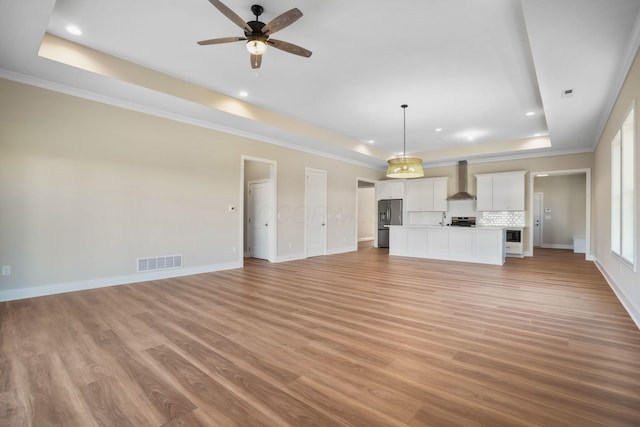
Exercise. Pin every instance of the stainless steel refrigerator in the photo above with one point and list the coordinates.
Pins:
(389, 213)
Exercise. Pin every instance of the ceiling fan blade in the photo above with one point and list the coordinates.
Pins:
(282, 21)
(221, 40)
(256, 60)
(289, 47)
(231, 15)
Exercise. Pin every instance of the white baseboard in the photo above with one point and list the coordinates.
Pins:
(60, 288)
(365, 239)
(297, 257)
(292, 257)
(628, 306)
(555, 246)
(342, 250)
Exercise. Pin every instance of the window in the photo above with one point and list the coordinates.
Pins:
(623, 178)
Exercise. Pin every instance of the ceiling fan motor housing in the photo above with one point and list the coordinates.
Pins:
(257, 33)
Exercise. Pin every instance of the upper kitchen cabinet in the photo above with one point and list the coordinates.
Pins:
(426, 195)
(500, 191)
(391, 189)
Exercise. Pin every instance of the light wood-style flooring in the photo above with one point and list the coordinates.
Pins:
(358, 339)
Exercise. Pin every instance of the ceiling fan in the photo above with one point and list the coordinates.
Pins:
(258, 33)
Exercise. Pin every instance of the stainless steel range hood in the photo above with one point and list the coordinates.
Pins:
(462, 183)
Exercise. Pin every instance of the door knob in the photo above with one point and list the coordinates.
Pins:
(266, 225)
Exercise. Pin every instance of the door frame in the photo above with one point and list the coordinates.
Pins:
(306, 210)
(373, 212)
(541, 196)
(273, 232)
(587, 171)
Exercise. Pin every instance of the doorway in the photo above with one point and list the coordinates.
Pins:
(315, 212)
(258, 233)
(366, 224)
(571, 223)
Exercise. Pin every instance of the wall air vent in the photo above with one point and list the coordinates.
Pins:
(567, 93)
(158, 263)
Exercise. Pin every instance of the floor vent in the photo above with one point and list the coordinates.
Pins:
(158, 263)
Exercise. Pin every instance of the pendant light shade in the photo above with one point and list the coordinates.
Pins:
(405, 167)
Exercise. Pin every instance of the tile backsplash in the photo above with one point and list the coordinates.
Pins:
(467, 208)
(506, 218)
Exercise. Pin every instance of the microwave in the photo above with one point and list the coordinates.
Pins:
(514, 235)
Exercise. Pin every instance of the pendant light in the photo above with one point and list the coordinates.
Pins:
(405, 167)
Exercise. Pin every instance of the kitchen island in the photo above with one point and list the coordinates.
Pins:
(485, 245)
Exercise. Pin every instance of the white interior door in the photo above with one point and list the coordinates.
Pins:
(316, 212)
(537, 220)
(260, 219)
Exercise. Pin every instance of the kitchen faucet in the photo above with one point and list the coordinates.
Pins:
(444, 215)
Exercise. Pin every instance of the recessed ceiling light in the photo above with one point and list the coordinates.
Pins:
(438, 129)
(371, 141)
(537, 134)
(243, 93)
(531, 113)
(72, 29)
(470, 137)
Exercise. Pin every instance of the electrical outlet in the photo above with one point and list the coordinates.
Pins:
(6, 270)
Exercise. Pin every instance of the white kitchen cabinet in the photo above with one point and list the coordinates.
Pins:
(438, 242)
(484, 193)
(426, 195)
(440, 194)
(417, 242)
(514, 248)
(461, 242)
(391, 189)
(500, 191)
(398, 239)
(482, 244)
(489, 245)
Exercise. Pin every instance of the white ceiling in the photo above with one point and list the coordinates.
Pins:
(469, 67)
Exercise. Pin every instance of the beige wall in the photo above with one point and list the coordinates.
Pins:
(565, 196)
(87, 188)
(626, 282)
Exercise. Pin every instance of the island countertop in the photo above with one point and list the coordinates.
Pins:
(482, 244)
(454, 227)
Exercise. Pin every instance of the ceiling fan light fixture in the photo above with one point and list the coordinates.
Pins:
(405, 167)
(256, 47)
